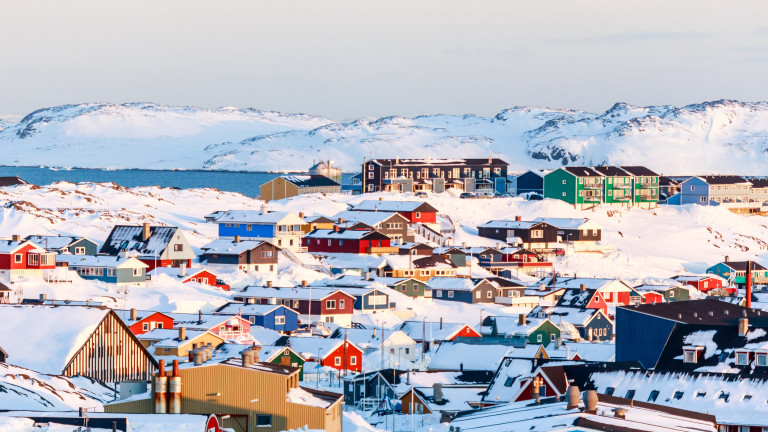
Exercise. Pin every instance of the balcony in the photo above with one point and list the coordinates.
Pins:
(594, 198)
(646, 185)
(594, 186)
(623, 186)
(622, 198)
(381, 250)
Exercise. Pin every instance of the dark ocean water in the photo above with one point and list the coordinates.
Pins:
(246, 183)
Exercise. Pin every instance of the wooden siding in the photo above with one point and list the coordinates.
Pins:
(112, 353)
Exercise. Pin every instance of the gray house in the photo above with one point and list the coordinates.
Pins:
(65, 244)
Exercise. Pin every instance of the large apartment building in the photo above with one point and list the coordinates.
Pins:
(586, 187)
(434, 175)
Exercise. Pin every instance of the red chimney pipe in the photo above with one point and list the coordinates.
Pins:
(161, 368)
(175, 368)
(749, 284)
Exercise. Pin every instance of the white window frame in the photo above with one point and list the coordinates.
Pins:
(79, 250)
(450, 294)
(330, 304)
(279, 320)
(739, 356)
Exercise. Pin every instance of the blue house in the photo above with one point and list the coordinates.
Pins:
(282, 229)
(274, 317)
(713, 190)
(120, 270)
(531, 181)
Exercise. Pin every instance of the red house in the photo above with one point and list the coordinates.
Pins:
(349, 241)
(414, 211)
(702, 283)
(24, 258)
(334, 353)
(140, 322)
(546, 381)
(184, 275)
(155, 246)
(327, 305)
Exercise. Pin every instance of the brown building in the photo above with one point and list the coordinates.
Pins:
(247, 255)
(256, 397)
(393, 225)
(294, 185)
(318, 222)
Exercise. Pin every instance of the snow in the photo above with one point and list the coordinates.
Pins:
(44, 339)
(703, 338)
(472, 357)
(300, 396)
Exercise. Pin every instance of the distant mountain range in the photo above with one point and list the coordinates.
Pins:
(712, 137)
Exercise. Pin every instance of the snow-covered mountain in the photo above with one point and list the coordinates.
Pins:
(712, 137)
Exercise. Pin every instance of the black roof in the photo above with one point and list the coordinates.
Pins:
(611, 171)
(709, 312)
(574, 297)
(320, 219)
(11, 181)
(129, 237)
(504, 282)
(639, 170)
(723, 179)
(582, 171)
(442, 162)
(759, 183)
(431, 261)
(668, 181)
(742, 265)
(312, 181)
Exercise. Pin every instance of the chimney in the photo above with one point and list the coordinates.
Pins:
(590, 401)
(182, 333)
(255, 354)
(749, 284)
(174, 390)
(572, 397)
(183, 269)
(582, 288)
(542, 287)
(237, 239)
(134, 315)
(441, 323)
(518, 218)
(301, 215)
(521, 319)
(368, 276)
(490, 159)
(200, 316)
(335, 228)
(269, 284)
(145, 231)
(397, 159)
(43, 297)
(16, 238)
(198, 355)
(264, 209)
(304, 283)
(247, 357)
(341, 220)
(743, 326)
(727, 258)
(463, 245)
(437, 392)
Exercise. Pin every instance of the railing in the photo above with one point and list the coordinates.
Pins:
(646, 185)
(593, 186)
(316, 267)
(622, 198)
(597, 198)
(622, 186)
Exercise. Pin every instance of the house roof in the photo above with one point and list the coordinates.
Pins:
(294, 293)
(698, 312)
(458, 284)
(129, 238)
(230, 247)
(437, 162)
(574, 297)
(350, 217)
(742, 265)
(759, 183)
(724, 179)
(51, 242)
(433, 331)
(461, 356)
(566, 223)
(510, 325)
(176, 273)
(11, 181)
(369, 338)
(319, 219)
(638, 170)
(235, 308)
(44, 338)
(394, 206)
(308, 347)
(345, 234)
(582, 171)
(611, 171)
(260, 217)
(125, 315)
(306, 181)
(507, 224)
(105, 261)
(431, 261)
(9, 246)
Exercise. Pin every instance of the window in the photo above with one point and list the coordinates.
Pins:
(341, 304)
(724, 396)
(689, 356)
(178, 247)
(263, 420)
(237, 225)
(249, 227)
(609, 391)
(552, 338)
(330, 304)
(539, 338)
(509, 381)
(295, 303)
(537, 233)
(370, 175)
(136, 272)
(111, 272)
(252, 319)
(33, 259)
(145, 326)
(678, 395)
(563, 181)
(693, 188)
(280, 320)
(742, 358)
(653, 396)
(701, 394)
(478, 294)
(630, 394)
(671, 294)
(762, 359)
(353, 360)
(337, 361)
(703, 199)
(229, 225)
(79, 250)
(489, 294)
(450, 294)
(418, 215)
(563, 193)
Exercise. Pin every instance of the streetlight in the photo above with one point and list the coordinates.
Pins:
(250, 412)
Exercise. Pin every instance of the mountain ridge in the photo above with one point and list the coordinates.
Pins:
(723, 136)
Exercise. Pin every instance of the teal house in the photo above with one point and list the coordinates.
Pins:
(735, 272)
(120, 270)
(65, 244)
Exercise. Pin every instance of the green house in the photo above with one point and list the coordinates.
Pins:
(735, 272)
(581, 187)
(408, 286)
(540, 331)
(284, 356)
(645, 186)
(617, 185)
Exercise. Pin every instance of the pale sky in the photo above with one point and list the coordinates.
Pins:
(363, 58)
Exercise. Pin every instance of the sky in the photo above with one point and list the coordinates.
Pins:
(346, 59)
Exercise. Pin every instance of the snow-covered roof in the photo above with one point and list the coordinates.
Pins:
(593, 351)
(433, 331)
(508, 224)
(53, 242)
(506, 382)
(345, 234)
(568, 223)
(105, 261)
(393, 206)
(312, 397)
(176, 273)
(461, 356)
(129, 238)
(247, 309)
(370, 338)
(44, 338)
(510, 325)
(457, 284)
(9, 246)
(172, 337)
(295, 293)
(408, 261)
(230, 247)
(258, 217)
(309, 347)
(350, 217)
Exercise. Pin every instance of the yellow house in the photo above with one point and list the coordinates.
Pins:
(294, 185)
(167, 342)
(245, 394)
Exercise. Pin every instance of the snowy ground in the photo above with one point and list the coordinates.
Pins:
(651, 245)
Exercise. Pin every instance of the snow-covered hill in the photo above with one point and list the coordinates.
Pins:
(712, 137)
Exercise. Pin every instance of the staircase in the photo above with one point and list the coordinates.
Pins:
(296, 259)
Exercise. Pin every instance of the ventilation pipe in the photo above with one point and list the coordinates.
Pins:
(145, 231)
(521, 319)
(518, 218)
(269, 284)
(134, 314)
(572, 397)
(174, 390)
(237, 239)
(247, 357)
(590, 401)
(437, 390)
(749, 284)
(582, 288)
(182, 333)
(161, 388)
(183, 269)
(743, 326)
(255, 353)
(16, 238)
